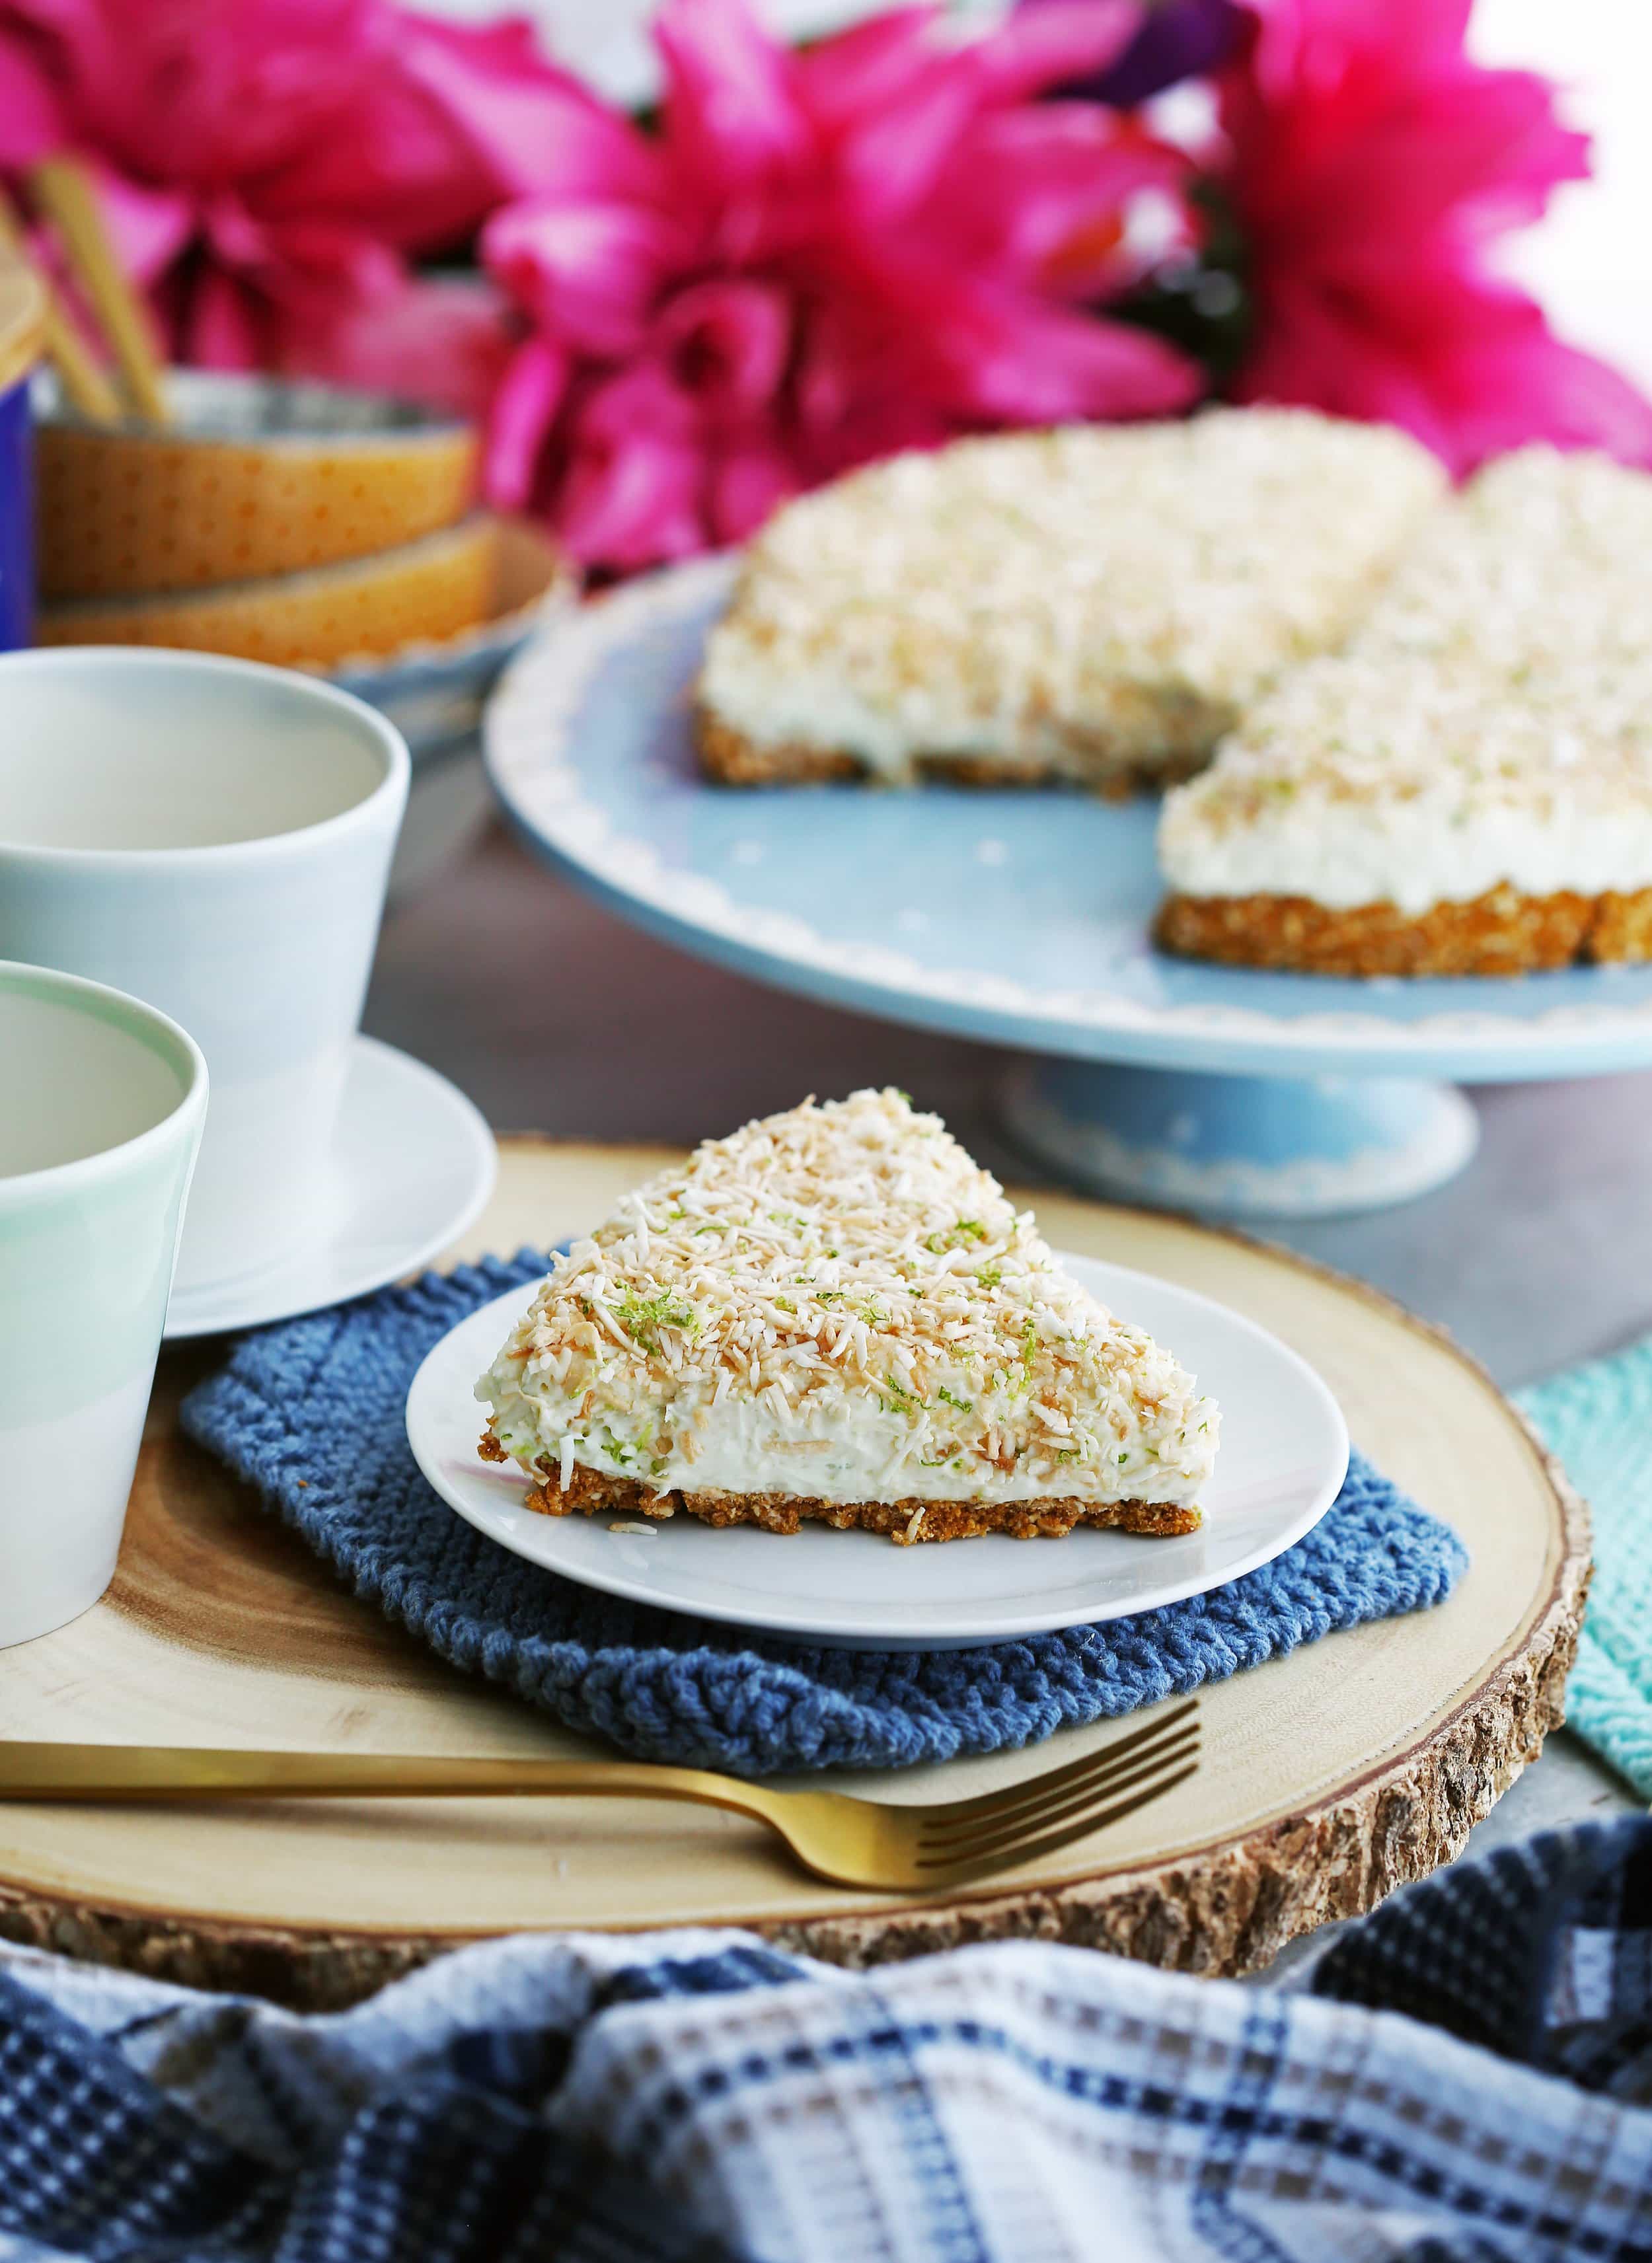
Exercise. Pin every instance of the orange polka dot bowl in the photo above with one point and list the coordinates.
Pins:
(363, 610)
(255, 476)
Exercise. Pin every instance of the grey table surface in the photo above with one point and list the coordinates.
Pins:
(556, 1017)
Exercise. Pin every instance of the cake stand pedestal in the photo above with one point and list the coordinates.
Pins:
(1239, 1146)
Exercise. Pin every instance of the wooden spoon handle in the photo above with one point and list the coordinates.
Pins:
(83, 380)
(63, 191)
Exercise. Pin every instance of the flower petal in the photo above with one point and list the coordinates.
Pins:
(750, 477)
(727, 341)
(733, 113)
(1469, 367)
(1046, 191)
(525, 407)
(587, 272)
(223, 327)
(891, 160)
(149, 227)
(446, 341)
(866, 68)
(636, 473)
(1050, 45)
(214, 93)
(530, 126)
(1017, 360)
(31, 121)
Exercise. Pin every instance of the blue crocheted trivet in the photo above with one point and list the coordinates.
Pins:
(311, 1413)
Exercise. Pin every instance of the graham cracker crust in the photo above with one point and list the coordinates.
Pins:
(592, 1492)
(1502, 932)
(728, 757)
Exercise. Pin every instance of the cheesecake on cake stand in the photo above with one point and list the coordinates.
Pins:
(1209, 1017)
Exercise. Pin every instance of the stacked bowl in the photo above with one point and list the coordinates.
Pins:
(307, 526)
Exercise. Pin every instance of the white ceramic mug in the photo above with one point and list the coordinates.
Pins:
(102, 1102)
(214, 837)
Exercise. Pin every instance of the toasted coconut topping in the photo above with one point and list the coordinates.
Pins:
(1088, 601)
(1543, 561)
(837, 1303)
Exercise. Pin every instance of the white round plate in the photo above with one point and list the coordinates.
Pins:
(414, 1163)
(1283, 1456)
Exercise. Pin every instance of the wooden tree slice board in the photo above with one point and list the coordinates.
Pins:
(1329, 1776)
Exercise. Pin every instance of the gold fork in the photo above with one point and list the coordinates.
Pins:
(854, 1842)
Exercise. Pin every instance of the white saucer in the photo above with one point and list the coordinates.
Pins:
(1283, 1456)
(415, 1163)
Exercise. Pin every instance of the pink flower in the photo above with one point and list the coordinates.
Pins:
(1373, 167)
(823, 256)
(445, 340)
(266, 164)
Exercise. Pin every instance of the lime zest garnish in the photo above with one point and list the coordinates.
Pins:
(643, 1317)
(954, 1236)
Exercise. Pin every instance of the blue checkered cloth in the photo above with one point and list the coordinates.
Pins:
(700, 2097)
(311, 1414)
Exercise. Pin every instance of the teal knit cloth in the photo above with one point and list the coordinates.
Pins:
(1597, 1418)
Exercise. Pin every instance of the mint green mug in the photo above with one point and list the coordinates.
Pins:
(102, 1102)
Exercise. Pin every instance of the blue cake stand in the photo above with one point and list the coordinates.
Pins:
(1022, 919)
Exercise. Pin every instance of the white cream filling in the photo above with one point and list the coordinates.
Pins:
(1386, 777)
(1412, 854)
(1096, 728)
(852, 1448)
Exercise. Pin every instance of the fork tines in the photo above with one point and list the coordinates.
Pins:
(1051, 1810)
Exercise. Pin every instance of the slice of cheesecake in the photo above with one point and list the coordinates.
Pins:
(1468, 790)
(836, 1314)
(1093, 604)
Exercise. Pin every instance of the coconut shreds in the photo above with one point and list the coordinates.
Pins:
(1541, 561)
(1502, 675)
(1073, 599)
(837, 1303)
